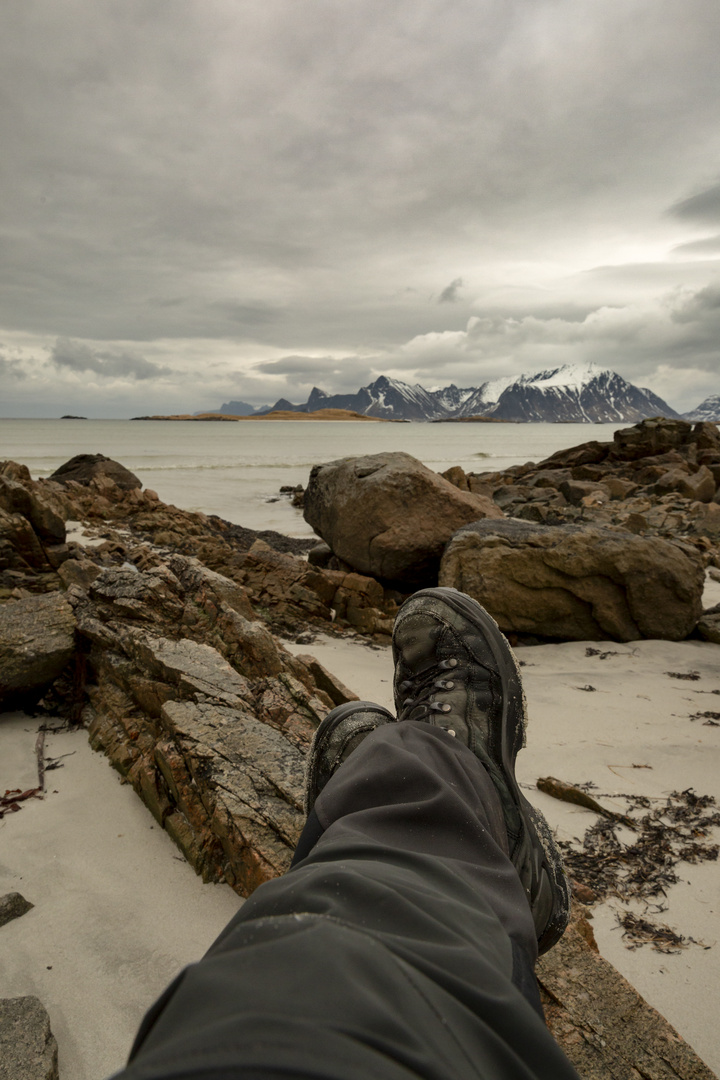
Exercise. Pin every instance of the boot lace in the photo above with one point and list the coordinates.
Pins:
(420, 689)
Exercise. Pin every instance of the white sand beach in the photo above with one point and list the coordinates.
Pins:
(118, 911)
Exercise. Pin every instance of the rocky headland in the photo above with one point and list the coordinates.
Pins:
(164, 635)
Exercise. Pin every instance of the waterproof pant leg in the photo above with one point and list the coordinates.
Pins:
(399, 945)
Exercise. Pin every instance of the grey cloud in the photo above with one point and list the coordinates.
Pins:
(698, 307)
(11, 369)
(705, 206)
(710, 245)
(77, 356)
(249, 316)
(237, 173)
(450, 294)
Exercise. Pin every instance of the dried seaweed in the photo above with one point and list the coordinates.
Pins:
(672, 832)
(638, 931)
(693, 676)
(713, 718)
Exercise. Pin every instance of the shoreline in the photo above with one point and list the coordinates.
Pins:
(332, 415)
(625, 718)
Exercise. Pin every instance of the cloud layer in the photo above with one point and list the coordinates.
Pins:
(211, 199)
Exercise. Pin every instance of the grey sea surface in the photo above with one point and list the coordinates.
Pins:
(235, 470)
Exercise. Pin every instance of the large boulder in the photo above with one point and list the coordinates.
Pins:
(388, 515)
(84, 468)
(575, 582)
(37, 639)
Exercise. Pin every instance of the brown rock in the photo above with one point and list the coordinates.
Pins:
(699, 486)
(17, 499)
(636, 523)
(388, 515)
(20, 548)
(619, 488)
(37, 639)
(577, 583)
(704, 520)
(15, 471)
(336, 690)
(478, 485)
(456, 476)
(709, 625)
(84, 468)
(80, 572)
(577, 490)
(589, 453)
(649, 437)
(549, 478)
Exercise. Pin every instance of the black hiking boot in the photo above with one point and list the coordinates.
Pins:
(341, 732)
(455, 670)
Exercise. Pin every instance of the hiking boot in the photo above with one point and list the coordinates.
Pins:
(341, 732)
(455, 670)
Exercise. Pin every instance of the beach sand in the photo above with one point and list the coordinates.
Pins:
(118, 911)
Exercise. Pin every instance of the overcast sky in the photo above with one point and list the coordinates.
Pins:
(211, 199)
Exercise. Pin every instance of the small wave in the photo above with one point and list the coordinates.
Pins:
(225, 467)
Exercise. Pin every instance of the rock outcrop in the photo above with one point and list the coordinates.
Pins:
(576, 583)
(389, 516)
(601, 1022)
(37, 640)
(204, 712)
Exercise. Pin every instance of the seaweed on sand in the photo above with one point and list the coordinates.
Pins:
(676, 830)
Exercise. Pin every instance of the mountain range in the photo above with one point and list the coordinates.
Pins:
(572, 393)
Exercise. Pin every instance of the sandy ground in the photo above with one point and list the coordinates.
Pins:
(118, 911)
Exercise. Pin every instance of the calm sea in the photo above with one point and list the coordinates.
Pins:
(236, 469)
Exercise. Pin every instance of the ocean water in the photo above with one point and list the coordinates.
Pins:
(236, 469)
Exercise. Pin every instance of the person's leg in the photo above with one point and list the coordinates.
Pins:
(400, 944)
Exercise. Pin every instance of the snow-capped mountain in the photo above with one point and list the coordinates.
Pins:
(571, 393)
(709, 409)
(578, 394)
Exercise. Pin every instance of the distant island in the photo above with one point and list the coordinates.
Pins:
(70, 417)
(280, 414)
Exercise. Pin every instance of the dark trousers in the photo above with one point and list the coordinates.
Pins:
(400, 943)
